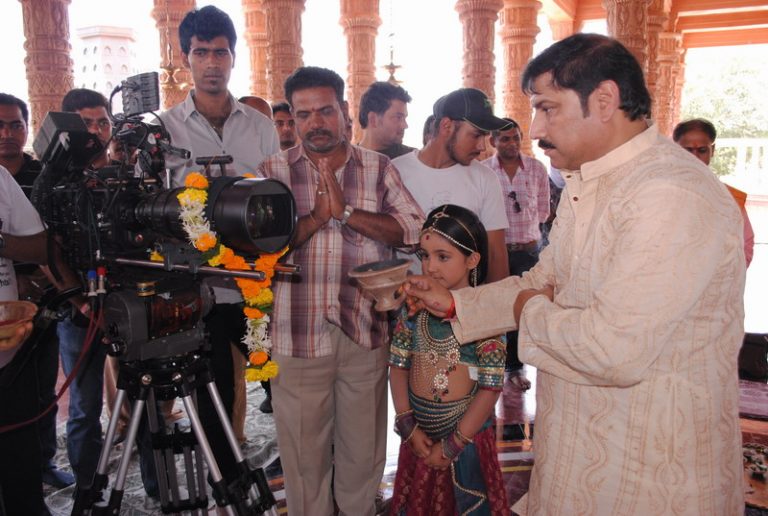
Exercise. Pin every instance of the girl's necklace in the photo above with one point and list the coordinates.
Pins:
(446, 348)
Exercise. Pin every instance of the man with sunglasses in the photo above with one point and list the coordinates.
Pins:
(698, 136)
(525, 185)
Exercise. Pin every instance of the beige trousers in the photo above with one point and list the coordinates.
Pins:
(331, 416)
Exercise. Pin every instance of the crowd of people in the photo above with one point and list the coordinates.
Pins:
(628, 302)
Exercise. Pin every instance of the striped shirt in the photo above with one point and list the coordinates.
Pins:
(324, 294)
(531, 191)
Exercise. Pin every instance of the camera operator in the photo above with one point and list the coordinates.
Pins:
(210, 122)
(31, 281)
(22, 238)
(84, 436)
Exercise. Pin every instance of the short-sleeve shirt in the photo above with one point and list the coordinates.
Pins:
(474, 187)
(19, 219)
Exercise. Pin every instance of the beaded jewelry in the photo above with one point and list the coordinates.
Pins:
(446, 348)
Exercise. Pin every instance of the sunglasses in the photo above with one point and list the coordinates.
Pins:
(516, 206)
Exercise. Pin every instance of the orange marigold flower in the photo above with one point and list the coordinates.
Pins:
(258, 358)
(248, 175)
(253, 313)
(196, 180)
(205, 242)
(237, 263)
(226, 256)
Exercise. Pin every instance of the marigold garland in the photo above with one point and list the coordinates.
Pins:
(257, 294)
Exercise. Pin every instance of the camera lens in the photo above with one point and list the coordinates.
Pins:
(252, 216)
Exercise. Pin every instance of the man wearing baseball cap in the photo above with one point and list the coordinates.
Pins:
(446, 171)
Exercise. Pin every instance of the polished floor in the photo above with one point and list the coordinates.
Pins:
(515, 413)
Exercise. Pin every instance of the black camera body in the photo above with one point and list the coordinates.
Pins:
(110, 219)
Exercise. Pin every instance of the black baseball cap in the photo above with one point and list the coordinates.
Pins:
(470, 105)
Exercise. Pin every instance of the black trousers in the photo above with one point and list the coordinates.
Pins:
(226, 326)
(21, 481)
(519, 262)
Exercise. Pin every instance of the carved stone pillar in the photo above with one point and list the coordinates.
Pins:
(360, 19)
(175, 79)
(256, 37)
(561, 29)
(627, 23)
(284, 53)
(48, 64)
(678, 74)
(518, 34)
(477, 19)
(664, 99)
(655, 21)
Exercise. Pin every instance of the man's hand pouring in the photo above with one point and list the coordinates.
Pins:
(424, 292)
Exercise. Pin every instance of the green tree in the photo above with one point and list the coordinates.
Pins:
(727, 86)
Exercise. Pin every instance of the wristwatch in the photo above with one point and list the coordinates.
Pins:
(347, 213)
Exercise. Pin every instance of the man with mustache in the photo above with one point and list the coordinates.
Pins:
(382, 115)
(331, 345)
(210, 122)
(525, 185)
(446, 171)
(634, 314)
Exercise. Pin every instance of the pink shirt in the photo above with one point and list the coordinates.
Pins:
(531, 187)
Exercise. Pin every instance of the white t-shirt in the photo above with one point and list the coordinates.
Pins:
(474, 187)
(19, 218)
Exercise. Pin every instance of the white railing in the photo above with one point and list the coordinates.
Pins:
(749, 172)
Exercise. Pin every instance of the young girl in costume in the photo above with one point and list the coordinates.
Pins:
(444, 394)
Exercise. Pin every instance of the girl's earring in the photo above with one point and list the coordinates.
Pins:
(473, 277)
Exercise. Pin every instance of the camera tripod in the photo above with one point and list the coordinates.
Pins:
(168, 378)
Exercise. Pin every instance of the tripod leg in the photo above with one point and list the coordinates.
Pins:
(262, 495)
(118, 488)
(133, 429)
(218, 484)
(86, 496)
(164, 461)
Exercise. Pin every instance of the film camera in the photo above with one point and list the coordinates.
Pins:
(107, 221)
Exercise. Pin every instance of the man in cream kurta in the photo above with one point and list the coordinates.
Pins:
(634, 320)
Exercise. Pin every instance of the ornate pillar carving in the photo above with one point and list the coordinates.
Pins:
(175, 79)
(284, 53)
(360, 19)
(256, 37)
(477, 19)
(627, 23)
(655, 23)
(678, 74)
(561, 29)
(48, 64)
(518, 34)
(664, 99)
